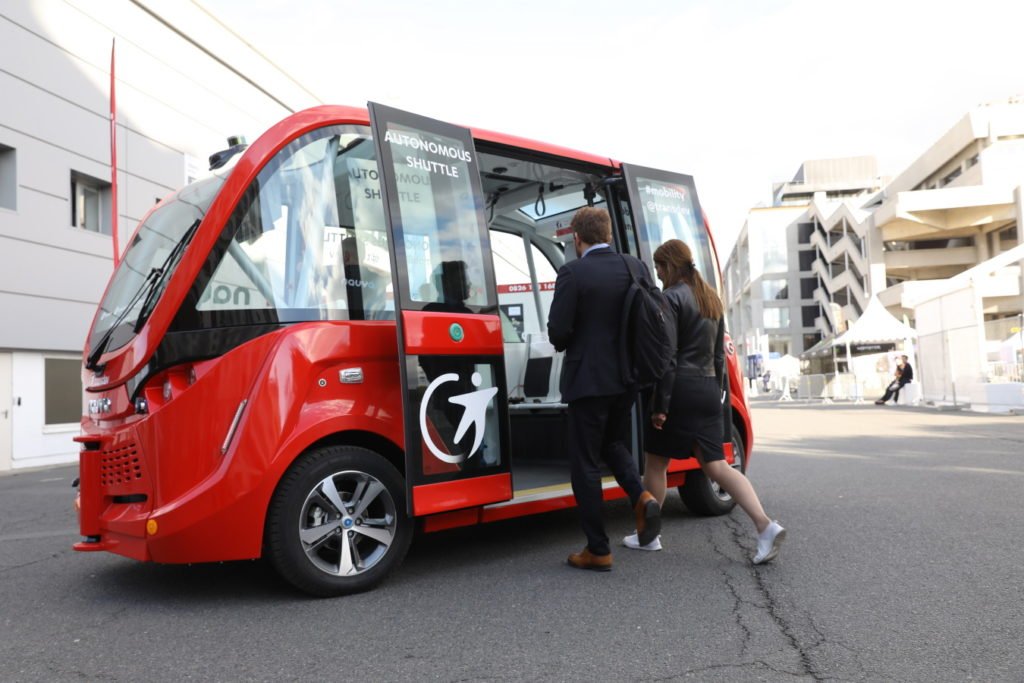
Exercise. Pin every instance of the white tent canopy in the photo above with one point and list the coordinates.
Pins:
(875, 326)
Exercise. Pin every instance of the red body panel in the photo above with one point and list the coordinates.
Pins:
(430, 498)
(169, 485)
(428, 333)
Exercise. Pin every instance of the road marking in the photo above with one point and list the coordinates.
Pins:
(978, 470)
(45, 481)
(798, 452)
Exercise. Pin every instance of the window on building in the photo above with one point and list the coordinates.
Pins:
(775, 288)
(8, 178)
(804, 232)
(807, 259)
(810, 313)
(796, 198)
(953, 175)
(776, 317)
(62, 387)
(775, 258)
(807, 287)
(1008, 234)
(811, 339)
(90, 203)
(893, 280)
(778, 347)
(835, 234)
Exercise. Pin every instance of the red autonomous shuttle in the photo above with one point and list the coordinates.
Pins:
(343, 330)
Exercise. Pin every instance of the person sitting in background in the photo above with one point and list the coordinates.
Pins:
(904, 373)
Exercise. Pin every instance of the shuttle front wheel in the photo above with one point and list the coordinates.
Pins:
(337, 522)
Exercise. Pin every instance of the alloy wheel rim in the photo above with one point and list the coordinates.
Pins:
(347, 523)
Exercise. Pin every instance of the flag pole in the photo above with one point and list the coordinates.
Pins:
(113, 158)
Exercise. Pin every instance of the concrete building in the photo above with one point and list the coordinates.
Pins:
(184, 83)
(956, 206)
(947, 221)
(793, 275)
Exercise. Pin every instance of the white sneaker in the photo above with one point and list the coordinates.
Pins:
(633, 541)
(768, 542)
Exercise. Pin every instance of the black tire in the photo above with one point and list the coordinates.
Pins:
(704, 497)
(344, 558)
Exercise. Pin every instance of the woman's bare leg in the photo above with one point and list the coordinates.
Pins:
(656, 476)
(740, 488)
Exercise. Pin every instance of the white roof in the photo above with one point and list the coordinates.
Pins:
(876, 325)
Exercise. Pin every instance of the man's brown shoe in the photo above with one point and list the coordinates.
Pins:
(587, 560)
(648, 518)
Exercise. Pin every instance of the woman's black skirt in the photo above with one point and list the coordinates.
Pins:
(694, 422)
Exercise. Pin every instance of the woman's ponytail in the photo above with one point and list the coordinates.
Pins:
(677, 260)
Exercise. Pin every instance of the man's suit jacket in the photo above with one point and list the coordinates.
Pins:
(585, 319)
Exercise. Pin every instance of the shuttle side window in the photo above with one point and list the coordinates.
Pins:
(546, 274)
(309, 239)
(515, 286)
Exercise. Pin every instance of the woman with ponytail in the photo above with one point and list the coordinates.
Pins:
(686, 408)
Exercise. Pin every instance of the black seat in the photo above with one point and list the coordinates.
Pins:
(537, 382)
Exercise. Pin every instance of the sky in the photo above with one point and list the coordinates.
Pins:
(737, 94)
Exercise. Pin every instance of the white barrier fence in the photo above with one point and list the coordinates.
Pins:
(842, 386)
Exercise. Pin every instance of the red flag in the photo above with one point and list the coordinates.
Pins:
(113, 158)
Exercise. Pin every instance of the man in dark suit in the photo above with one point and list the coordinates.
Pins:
(584, 321)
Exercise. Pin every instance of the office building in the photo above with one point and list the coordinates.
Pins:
(184, 83)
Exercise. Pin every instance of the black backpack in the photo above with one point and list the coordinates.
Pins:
(645, 348)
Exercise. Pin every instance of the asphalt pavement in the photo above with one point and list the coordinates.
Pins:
(903, 563)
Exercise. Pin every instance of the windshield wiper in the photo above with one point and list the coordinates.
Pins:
(148, 288)
(101, 345)
(161, 275)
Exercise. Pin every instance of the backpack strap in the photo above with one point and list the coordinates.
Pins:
(629, 269)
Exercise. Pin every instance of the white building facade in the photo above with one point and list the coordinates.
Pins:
(949, 225)
(798, 267)
(185, 82)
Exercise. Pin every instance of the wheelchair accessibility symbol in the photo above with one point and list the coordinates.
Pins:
(474, 405)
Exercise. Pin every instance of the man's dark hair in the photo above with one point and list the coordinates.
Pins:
(594, 226)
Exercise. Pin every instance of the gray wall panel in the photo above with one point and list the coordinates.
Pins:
(33, 323)
(41, 115)
(66, 274)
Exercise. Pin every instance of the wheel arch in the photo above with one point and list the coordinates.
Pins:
(364, 439)
(339, 432)
(741, 420)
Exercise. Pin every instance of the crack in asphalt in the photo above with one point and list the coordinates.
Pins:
(786, 628)
(738, 601)
(773, 609)
(48, 558)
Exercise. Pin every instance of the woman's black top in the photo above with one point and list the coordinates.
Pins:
(690, 392)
